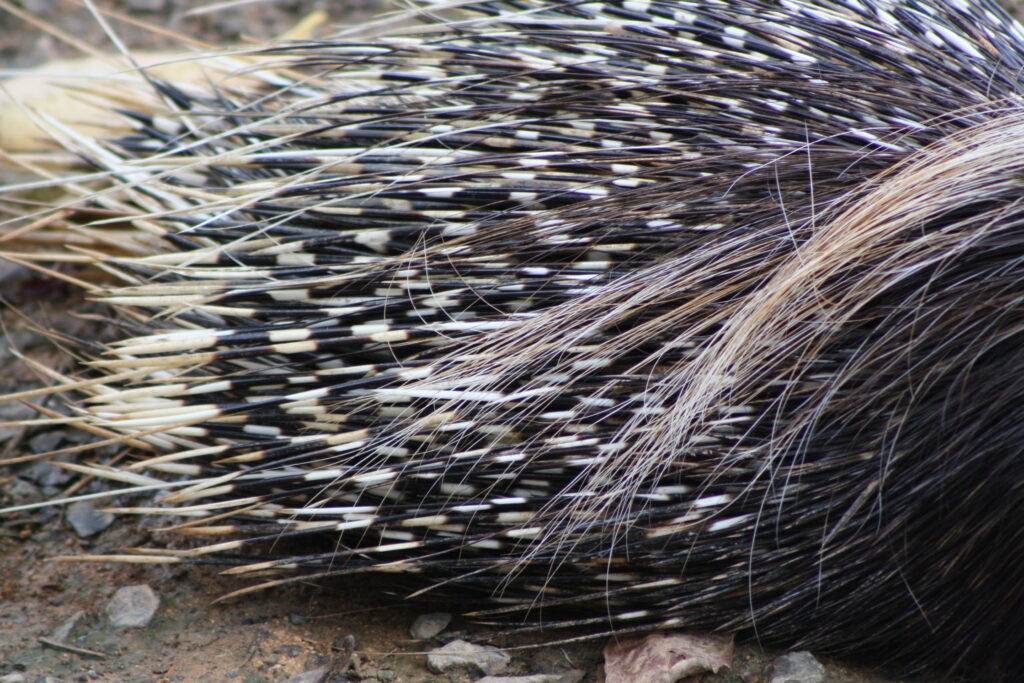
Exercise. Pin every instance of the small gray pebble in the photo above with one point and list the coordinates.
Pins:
(459, 654)
(133, 606)
(46, 442)
(11, 272)
(46, 473)
(147, 5)
(13, 411)
(20, 490)
(12, 678)
(311, 676)
(37, 6)
(16, 340)
(797, 667)
(87, 520)
(565, 677)
(62, 633)
(429, 625)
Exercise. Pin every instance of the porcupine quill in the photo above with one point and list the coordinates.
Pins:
(614, 315)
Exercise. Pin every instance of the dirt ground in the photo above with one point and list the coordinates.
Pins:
(53, 623)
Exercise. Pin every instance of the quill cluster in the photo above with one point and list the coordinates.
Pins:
(615, 315)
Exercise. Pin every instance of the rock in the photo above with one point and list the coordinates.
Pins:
(312, 676)
(62, 633)
(459, 654)
(47, 474)
(573, 676)
(133, 606)
(148, 5)
(37, 6)
(427, 626)
(14, 411)
(86, 520)
(665, 657)
(21, 491)
(797, 667)
(46, 441)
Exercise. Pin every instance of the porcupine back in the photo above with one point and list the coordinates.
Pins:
(618, 315)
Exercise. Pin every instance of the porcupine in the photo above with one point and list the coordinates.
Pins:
(620, 316)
